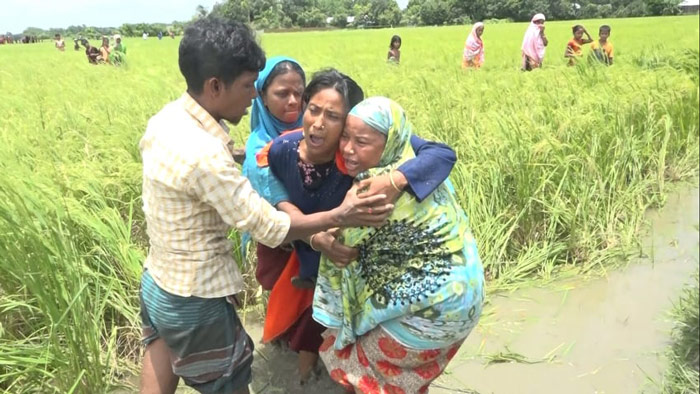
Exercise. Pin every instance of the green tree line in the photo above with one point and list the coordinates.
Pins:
(95, 32)
(281, 14)
(368, 13)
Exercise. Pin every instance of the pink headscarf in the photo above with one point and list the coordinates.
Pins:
(533, 46)
(474, 47)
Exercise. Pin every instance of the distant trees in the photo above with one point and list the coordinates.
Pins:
(94, 32)
(273, 14)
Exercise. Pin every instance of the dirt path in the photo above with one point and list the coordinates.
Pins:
(600, 336)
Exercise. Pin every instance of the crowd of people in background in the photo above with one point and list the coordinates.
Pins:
(533, 46)
(114, 54)
(9, 38)
(535, 43)
(105, 54)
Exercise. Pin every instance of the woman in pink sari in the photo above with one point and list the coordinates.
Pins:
(534, 44)
(474, 48)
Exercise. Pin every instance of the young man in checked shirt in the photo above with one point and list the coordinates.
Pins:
(192, 196)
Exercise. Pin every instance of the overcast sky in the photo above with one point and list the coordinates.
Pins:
(17, 15)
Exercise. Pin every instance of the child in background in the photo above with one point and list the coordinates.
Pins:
(104, 49)
(59, 44)
(602, 50)
(394, 54)
(574, 47)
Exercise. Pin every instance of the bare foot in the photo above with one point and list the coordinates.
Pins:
(307, 365)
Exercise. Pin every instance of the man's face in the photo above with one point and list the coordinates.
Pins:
(234, 99)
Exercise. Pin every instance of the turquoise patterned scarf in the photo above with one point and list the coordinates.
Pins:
(404, 266)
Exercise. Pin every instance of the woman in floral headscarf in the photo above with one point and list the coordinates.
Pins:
(474, 48)
(400, 312)
(534, 44)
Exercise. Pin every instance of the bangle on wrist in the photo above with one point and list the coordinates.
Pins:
(311, 242)
(391, 179)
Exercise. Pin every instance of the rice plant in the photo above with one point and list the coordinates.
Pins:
(556, 167)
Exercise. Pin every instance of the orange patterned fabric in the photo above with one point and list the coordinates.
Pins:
(287, 303)
(378, 364)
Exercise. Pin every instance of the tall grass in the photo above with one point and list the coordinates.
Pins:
(683, 374)
(556, 168)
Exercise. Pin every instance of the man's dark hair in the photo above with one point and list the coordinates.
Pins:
(213, 47)
(282, 68)
(604, 28)
(576, 28)
(331, 78)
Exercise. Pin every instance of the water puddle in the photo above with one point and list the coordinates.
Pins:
(605, 335)
(601, 336)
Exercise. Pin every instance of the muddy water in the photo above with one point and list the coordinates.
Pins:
(606, 335)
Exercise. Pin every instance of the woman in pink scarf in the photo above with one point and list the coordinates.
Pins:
(474, 48)
(534, 44)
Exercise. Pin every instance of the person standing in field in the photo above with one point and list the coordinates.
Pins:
(118, 54)
(104, 49)
(602, 50)
(574, 49)
(534, 44)
(193, 194)
(394, 54)
(93, 54)
(59, 43)
(473, 56)
(277, 108)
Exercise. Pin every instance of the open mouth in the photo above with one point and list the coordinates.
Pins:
(351, 165)
(316, 141)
